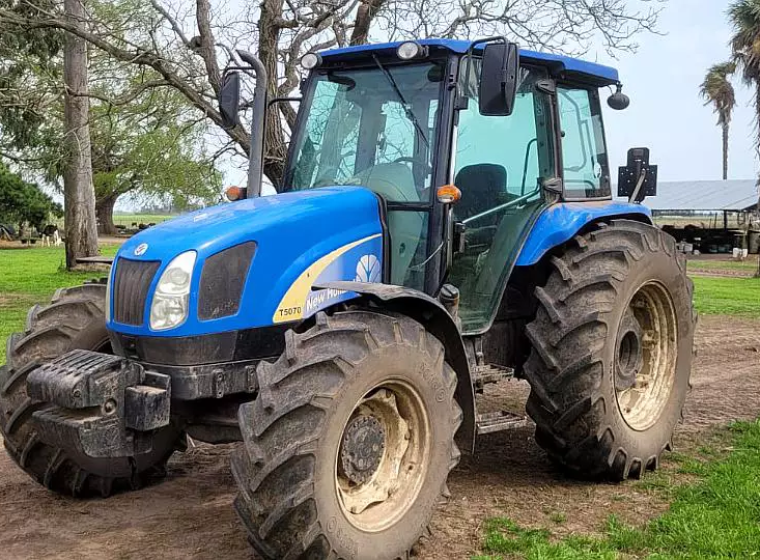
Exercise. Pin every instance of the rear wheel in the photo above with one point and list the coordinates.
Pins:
(349, 444)
(611, 351)
(75, 319)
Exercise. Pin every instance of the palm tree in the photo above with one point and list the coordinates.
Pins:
(718, 91)
(744, 15)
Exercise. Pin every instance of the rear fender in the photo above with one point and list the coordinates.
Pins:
(558, 223)
(434, 317)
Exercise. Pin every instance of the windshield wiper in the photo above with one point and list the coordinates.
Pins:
(407, 108)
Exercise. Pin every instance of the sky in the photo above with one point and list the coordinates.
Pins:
(666, 113)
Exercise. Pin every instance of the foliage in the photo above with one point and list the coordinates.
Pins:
(145, 137)
(715, 518)
(718, 90)
(28, 67)
(150, 145)
(24, 202)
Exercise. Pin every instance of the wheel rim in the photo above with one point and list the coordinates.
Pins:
(383, 456)
(646, 351)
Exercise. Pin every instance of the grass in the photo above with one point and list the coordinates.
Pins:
(717, 517)
(29, 276)
(727, 296)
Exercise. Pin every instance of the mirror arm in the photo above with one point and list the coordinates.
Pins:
(471, 50)
(499, 208)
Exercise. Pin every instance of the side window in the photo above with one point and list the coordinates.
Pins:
(499, 159)
(584, 154)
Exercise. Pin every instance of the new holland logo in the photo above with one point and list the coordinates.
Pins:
(368, 269)
(141, 248)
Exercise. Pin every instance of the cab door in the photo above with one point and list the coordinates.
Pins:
(500, 164)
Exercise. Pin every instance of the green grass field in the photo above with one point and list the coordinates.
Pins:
(727, 296)
(29, 276)
(713, 518)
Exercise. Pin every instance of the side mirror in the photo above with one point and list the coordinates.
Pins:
(499, 75)
(229, 99)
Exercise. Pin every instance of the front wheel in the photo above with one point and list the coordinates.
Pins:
(349, 444)
(75, 319)
(611, 351)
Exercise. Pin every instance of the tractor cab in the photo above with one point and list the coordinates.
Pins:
(407, 120)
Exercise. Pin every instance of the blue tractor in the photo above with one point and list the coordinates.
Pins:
(445, 222)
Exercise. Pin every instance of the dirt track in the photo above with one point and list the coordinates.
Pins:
(190, 515)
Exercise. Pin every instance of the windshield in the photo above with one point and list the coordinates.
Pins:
(371, 127)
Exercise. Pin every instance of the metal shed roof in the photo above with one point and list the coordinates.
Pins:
(704, 195)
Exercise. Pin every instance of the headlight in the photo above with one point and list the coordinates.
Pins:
(171, 298)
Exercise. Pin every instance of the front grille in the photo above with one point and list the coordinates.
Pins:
(130, 289)
(222, 281)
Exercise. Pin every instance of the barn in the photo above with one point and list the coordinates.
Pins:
(712, 216)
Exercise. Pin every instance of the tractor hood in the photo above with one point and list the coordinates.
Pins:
(299, 238)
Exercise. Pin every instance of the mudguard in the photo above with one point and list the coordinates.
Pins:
(560, 222)
(429, 312)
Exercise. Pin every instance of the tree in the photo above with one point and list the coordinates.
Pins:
(149, 146)
(78, 192)
(744, 15)
(718, 90)
(146, 138)
(181, 43)
(22, 202)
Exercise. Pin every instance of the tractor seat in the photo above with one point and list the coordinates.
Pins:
(481, 187)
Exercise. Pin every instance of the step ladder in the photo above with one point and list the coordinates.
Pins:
(491, 422)
(491, 373)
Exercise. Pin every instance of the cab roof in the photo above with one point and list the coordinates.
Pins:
(574, 68)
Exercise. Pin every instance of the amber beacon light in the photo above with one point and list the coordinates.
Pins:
(448, 194)
(235, 193)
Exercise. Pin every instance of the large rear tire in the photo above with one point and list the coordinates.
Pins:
(611, 351)
(349, 444)
(75, 319)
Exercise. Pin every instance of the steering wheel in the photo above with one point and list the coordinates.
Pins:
(407, 159)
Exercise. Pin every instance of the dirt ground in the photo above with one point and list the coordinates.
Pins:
(190, 515)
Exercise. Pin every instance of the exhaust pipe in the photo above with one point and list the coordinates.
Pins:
(256, 152)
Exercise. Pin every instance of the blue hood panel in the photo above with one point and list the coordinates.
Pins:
(326, 234)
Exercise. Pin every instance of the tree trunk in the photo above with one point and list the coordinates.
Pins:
(78, 191)
(104, 211)
(725, 151)
(364, 15)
